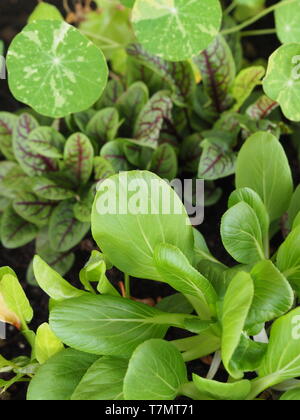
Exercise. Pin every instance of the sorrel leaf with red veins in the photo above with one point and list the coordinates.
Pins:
(78, 156)
(65, 231)
(50, 190)
(262, 108)
(218, 71)
(113, 152)
(7, 124)
(245, 83)
(217, 160)
(164, 162)
(33, 209)
(31, 162)
(179, 76)
(151, 119)
(15, 231)
(102, 168)
(103, 127)
(47, 142)
(113, 91)
(190, 152)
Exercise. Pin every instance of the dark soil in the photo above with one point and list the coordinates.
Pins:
(13, 16)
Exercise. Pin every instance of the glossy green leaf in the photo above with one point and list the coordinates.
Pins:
(58, 378)
(107, 325)
(65, 231)
(214, 390)
(282, 81)
(292, 395)
(47, 73)
(46, 344)
(78, 157)
(175, 303)
(137, 236)
(237, 303)
(158, 364)
(102, 381)
(242, 235)
(52, 283)
(194, 25)
(288, 258)
(263, 166)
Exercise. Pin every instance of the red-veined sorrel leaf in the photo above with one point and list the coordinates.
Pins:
(47, 142)
(33, 209)
(179, 75)
(262, 108)
(111, 94)
(7, 124)
(244, 84)
(31, 162)
(218, 71)
(65, 231)
(190, 152)
(164, 162)
(113, 152)
(15, 231)
(103, 169)
(50, 190)
(79, 155)
(217, 161)
(151, 119)
(104, 126)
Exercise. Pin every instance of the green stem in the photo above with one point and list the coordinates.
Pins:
(259, 32)
(261, 384)
(127, 286)
(230, 8)
(259, 16)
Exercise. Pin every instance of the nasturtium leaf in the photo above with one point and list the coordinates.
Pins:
(176, 270)
(33, 209)
(288, 258)
(113, 153)
(45, 11)
(15, 231)
(273, 296)
(65, 231)
(46, 141)
(52, 283)
(46, 344)
(287, 22)
(291, 395)
(104, 125)
(237, 303)
(194, 25)
(58, 378)
(7, 124)
(255, 202)
(262, 165)
(282, 81)
(242, 235)
(131, 230)
(218, 71)
(79, 158)
(55, 69)
(178, 76)
(282, 361)
(164, 162)
(151, 119)
(214, 390)
(102, 381)
(244, 84)
(217, 160)
(107, 325)
(158, 364)
(50, 190)
(15, 299)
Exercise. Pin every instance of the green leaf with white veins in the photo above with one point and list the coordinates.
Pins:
(262, 165)
(287, 22)
(79, 157)
(46, 344)
(242, 235)
(7, 123)
(158, 364)
(55, 69)
(176, 29)
(282, 81)
(108, 325)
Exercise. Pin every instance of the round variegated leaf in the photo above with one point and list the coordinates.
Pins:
(282, 82)
(176, 29)
(55, 69)
(287, 19)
